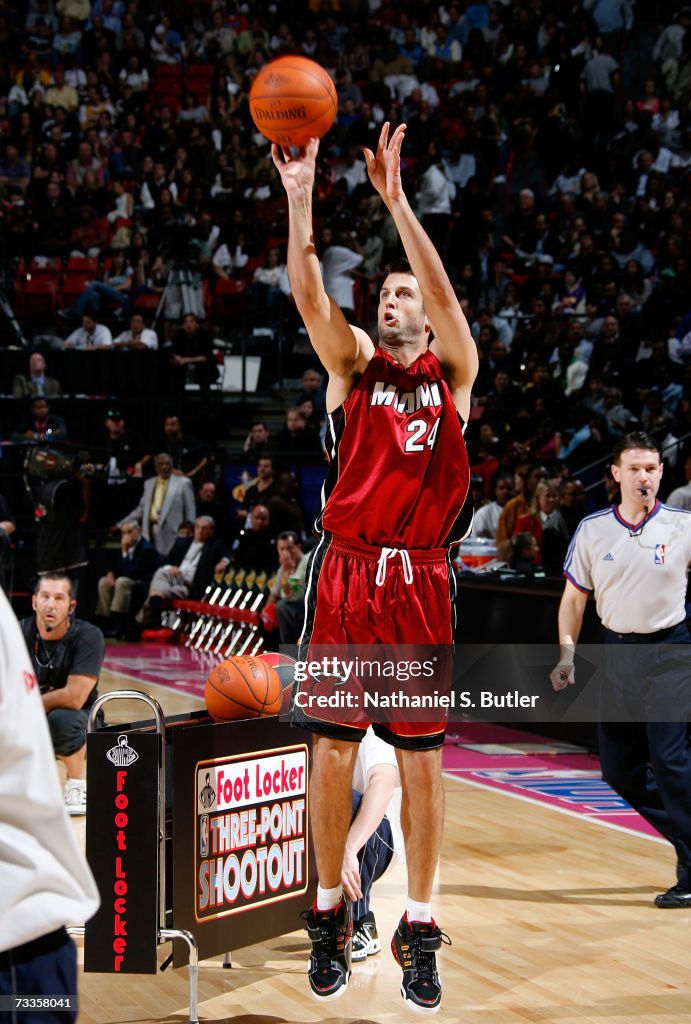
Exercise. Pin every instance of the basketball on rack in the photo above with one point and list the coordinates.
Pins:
(292, 100)
(243, 687)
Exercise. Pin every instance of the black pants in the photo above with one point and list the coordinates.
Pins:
(374, 858)
(646, 760)
(45, 966)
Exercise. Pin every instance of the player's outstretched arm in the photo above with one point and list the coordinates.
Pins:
(453, 342)
(338, 344)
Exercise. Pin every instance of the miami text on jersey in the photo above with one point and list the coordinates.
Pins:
(424, 395)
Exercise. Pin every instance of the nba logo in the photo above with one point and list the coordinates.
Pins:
(204, 835)
(659, 554)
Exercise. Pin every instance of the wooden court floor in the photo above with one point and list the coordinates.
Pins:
(551, 919)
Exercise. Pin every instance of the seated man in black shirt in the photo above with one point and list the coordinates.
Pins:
(255, 549)
(191, 356)
(67, 657)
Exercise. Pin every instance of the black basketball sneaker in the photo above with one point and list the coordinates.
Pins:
(331, 934)
(365, 938)
(414, 945)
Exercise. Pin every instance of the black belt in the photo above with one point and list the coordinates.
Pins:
(37, 947)
(647, 638)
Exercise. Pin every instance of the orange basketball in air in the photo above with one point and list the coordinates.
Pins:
(292, 100)
(243, 687)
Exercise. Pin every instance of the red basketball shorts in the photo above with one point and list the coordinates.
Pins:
(376, 642)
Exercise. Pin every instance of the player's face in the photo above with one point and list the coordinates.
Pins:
(401, 315)
(638, 469)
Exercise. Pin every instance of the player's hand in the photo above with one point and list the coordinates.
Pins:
(384, 168)
(562, 675)
(350, 875)
(297, 169)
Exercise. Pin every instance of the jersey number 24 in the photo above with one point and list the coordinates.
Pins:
(417, 440)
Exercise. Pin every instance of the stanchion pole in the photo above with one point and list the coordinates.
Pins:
(166, 934)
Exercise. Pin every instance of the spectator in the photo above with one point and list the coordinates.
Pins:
(526, 480)
(519, 553)
(286, 596)
(338, 260)
(558, 531)
(544, 507)
(124, 204)
(191, 356)
(257, 441)
(138, 337)
(208, 503)
(189, 454)
(261, 491)
(113, 290)
(40, 425)
(255, 548)
(295, 437)
(680, 497)
(284, 507)
(84, 163)
(91, 336)
(14, 170)
(136, 564)
(165, 502)
(192, 563)
(36, 385)
(265, 287)
(313, 389)
(67, 657)
(434, 199)
(486, 518)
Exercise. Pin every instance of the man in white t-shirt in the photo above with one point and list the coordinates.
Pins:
(46, 882)
(339, 260)
(90, 336)
(634, 558)
(138, 336)
(375, 838)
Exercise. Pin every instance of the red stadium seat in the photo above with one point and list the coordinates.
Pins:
(84, 264)
(147, 303)
(228, 297)
(38, 298)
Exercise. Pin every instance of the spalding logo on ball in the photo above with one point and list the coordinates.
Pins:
(292, 100)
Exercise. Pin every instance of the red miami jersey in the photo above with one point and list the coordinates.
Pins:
(398, 467)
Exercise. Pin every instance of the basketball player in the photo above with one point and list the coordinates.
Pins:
(634, 558)
(397, 483)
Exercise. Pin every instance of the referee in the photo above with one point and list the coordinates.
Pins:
(634, 559)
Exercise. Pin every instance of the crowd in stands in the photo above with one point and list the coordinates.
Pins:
(548, 155)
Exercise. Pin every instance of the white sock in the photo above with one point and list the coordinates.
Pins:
(421, 912)
(328, 899)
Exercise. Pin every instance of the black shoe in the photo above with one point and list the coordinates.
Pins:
(365, 939)
(674, 898)
(330, 933)
(414, 945)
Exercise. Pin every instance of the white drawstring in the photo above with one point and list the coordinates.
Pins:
(386, 554)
